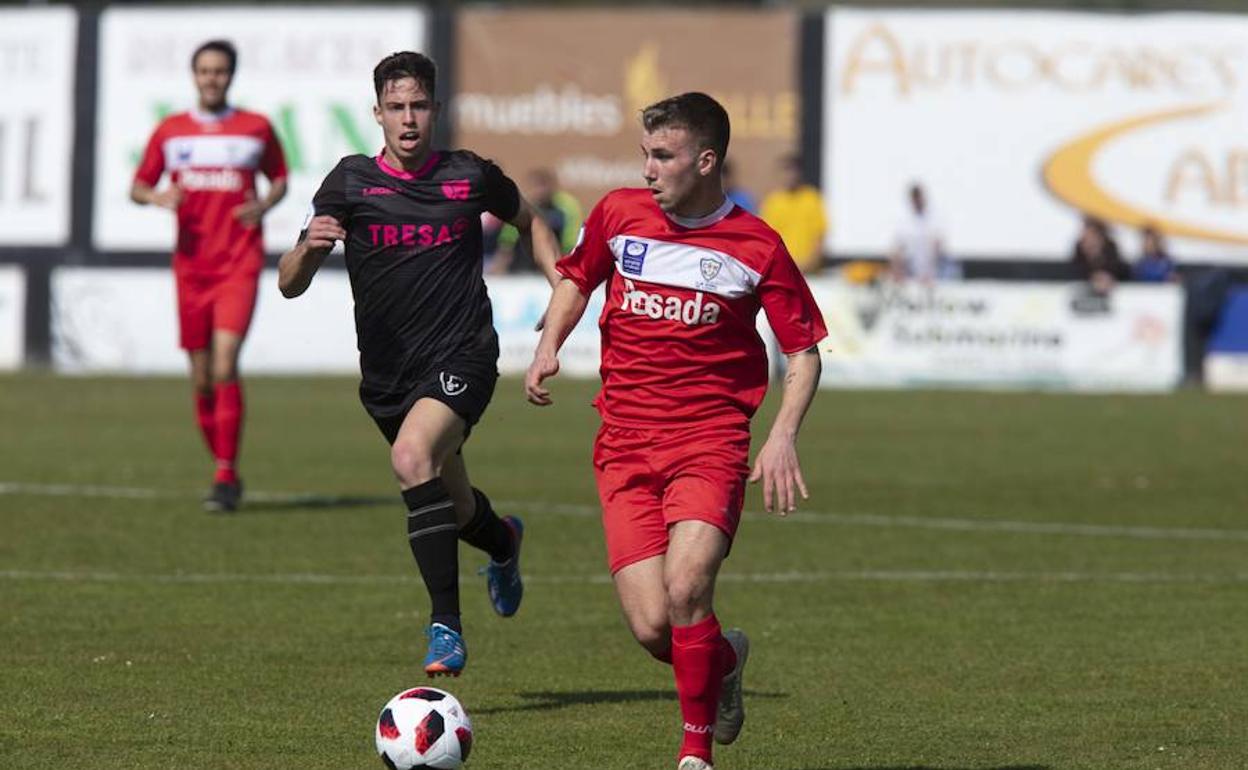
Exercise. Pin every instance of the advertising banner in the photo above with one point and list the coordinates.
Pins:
(125, 320)
(1016, 122)
(12, 317)
(562, 89)
(37, 51)
(997, 334)
(308, 69)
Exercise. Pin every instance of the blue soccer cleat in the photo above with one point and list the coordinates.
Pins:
(447, 651)
(503, 580)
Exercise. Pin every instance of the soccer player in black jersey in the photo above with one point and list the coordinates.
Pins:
(410, 220)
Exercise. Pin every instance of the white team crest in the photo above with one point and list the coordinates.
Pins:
(711, 267)
(452, 385)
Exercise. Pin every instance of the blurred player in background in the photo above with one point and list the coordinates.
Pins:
(410, 219)
(560, 211)
(212, 154)
(683, 371)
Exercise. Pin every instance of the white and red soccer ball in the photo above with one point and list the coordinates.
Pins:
(423, 727)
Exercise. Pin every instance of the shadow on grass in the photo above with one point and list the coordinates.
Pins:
(549, 700)
(292, 503)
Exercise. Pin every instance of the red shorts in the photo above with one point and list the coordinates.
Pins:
(649, 479)
(208, 303)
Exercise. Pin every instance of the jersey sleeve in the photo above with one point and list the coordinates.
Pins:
(273, 161)
(330, 200)
(152, 165)
(590, 261)
(790, 307)
(502, 197)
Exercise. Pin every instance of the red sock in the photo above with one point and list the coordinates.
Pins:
(700, 658)
(205, 415)
(228, 429)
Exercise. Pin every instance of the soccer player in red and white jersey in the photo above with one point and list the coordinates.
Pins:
(683, 371)
(212, 155)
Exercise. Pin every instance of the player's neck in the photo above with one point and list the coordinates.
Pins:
(214, 110)
(701, 205)
(412, 166)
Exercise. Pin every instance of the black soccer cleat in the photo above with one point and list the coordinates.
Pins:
(225, 497)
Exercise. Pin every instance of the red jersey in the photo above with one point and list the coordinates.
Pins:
(680, 342)
(214, 159)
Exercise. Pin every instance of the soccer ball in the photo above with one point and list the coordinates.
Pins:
(423, 728)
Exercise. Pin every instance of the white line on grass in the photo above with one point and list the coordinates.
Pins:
(883, 576)
(1137, 532)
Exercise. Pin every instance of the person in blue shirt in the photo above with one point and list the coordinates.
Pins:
(1154, 264)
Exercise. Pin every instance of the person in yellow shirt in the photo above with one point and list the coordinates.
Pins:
(796, 212)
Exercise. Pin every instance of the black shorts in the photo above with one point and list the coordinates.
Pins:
(464, 386)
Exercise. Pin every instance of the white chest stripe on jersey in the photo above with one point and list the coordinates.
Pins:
(223, 151)
(683, 266)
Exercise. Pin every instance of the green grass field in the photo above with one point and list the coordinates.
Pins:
(978, 582)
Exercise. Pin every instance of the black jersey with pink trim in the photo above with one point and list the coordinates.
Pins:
(414, 256)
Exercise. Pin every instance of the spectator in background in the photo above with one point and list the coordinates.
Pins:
(560, 210)
(919, 249)
(796, 212)
(1097, 258)
(737, 194)
(1154, 264)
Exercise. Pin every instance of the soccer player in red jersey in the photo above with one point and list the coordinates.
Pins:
(683, 371)
(212, 155)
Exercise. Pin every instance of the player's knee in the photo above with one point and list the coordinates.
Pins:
(412, 463)
(685, 594)
(655, 637)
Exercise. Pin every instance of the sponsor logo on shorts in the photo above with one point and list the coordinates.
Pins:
(367, 191)
(452, 384)
(634, 256)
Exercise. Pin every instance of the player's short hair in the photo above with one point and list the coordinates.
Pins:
(698, 114)
(405, 64)
(223, 47)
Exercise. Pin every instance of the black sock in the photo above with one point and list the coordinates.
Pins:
(432, 535)
(488, 532)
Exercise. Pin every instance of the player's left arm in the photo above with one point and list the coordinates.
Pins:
(777, 464)
(539, 239)
(798, 326)
(273, 166)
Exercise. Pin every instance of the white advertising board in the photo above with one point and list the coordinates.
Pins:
(308, 69)
(12, 316)
(125, 320)
(37, 50)
(1014, 122)
(996, 334)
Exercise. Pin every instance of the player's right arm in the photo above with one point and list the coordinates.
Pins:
(567, 305)
(297, 266)
(143, 190)
(589, 264)
(326, 223)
